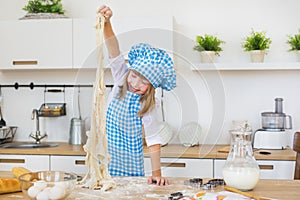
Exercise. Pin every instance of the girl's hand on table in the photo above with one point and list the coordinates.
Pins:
(158, 180)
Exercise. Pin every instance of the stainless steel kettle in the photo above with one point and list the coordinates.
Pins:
(77, 132)
(77, 127)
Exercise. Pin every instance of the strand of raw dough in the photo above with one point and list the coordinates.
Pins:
(97, 157)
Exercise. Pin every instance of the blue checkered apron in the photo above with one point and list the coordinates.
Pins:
(124, 133)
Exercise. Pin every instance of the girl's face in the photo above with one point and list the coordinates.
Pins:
(136, 84)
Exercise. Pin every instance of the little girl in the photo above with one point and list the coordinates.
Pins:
(132, 105)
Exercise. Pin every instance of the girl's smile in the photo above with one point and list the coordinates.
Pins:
(136, 84)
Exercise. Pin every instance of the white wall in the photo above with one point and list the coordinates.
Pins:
(205, 97)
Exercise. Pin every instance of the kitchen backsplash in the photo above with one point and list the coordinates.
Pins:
(246, 96)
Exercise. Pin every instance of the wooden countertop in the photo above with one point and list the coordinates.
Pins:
(138, 188)
(63, 149)
(212, 151)
(169, 151)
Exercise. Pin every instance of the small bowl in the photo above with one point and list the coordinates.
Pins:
(48, 184)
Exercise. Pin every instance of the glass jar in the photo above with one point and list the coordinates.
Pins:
(241, 170)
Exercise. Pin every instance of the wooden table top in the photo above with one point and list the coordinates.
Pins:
(138, 188)
(168, 151)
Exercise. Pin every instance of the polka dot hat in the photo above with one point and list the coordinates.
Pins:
(154, 64)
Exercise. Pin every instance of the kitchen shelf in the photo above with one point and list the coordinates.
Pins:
(245, 66)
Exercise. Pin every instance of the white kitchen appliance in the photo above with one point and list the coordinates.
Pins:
(273, 134)
(268, 139)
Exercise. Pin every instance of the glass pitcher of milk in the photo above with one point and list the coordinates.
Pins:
(241, 170)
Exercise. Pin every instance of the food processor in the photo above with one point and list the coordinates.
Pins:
(273, 134)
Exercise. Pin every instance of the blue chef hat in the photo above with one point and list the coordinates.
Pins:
(154, 64)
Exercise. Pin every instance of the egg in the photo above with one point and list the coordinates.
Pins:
(40, 184)
(43, 195)
(63, 185)
(33, 191)
(57, 192)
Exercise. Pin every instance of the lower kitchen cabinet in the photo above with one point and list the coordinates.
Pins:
(31, 162)
(75, 164)
(181, 167)
(171, 167)
(269, 169)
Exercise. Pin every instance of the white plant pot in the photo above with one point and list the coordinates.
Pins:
(207, 56)
(298, 54)
(257, 55)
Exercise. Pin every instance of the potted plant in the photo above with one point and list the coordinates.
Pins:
(257, 43)
(44, 9)
(294, 42)
(208, 46)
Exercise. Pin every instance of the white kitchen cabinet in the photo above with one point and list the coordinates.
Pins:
(156, 31)
(84, 43)
(181, 167)
(218, 167)
(269, 169)
(30, 162)
(75, 164)
(36, 44)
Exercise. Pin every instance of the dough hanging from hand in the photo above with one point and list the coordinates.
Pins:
(96, 147)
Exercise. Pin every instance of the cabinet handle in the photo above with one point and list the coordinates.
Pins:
(166, 164)
(79, 162)
(7, 160)
(25, 62)
(266, 167)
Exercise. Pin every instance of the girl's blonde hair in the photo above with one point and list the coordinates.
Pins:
(147, 100)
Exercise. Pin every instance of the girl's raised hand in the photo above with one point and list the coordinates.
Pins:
(105, 11)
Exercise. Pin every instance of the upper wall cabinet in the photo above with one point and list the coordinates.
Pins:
(36, 44)
(71, 43)
(156, 31)
(84, 34)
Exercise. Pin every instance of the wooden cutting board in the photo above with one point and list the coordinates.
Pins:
(224, 149)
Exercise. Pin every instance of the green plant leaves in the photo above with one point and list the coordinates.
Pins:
(208, 43)
(256, 41)
(44, 6)
(294, 42)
